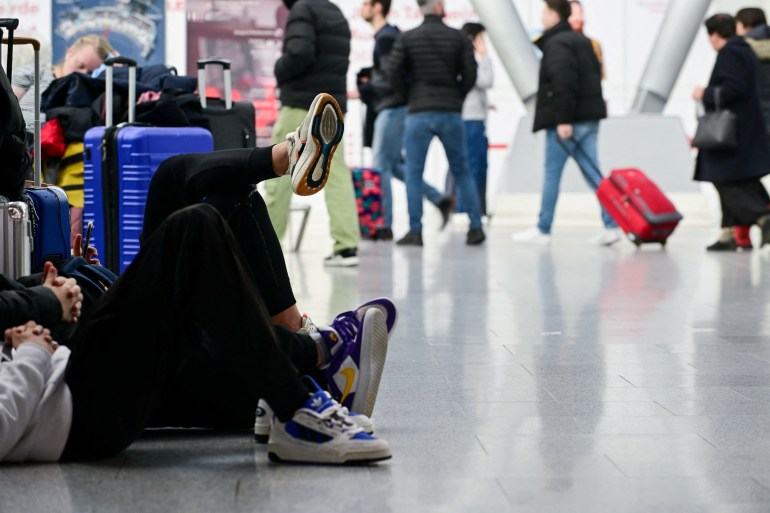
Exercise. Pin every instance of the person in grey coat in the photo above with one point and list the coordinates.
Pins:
(736, 172)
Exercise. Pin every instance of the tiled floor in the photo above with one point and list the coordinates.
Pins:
(563, 379)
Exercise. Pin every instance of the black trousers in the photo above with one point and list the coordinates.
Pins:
(226, 179)
(189, 277)
(743, 202)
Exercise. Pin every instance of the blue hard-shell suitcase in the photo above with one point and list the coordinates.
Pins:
(50, 217)
(118, 165)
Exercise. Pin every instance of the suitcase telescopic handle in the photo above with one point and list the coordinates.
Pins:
(38, 176)
(110, 63)
(225, 64)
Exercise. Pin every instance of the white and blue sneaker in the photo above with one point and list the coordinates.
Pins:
(265, 419)
(320, 432)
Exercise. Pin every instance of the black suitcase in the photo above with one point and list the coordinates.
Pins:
(232, 124)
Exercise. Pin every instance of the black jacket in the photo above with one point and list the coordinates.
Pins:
(433, 67)
(570, 84)
(19, 304)
(759, 40)
(316, 51)
(735, 75)
(378, 88)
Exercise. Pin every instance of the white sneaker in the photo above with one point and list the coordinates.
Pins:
(532, 236)
(321, 432)
(264, 420)
(312, 145)
(606, 237)
(343, 258)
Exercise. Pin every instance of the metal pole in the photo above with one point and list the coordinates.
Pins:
(513, 46)
(680, 26)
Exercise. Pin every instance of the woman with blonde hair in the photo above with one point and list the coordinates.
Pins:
(83, 56)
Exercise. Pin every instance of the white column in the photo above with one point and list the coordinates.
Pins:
(515, 50)
(683, 20)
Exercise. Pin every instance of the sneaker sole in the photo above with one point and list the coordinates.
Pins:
(288, 455)
(371, 363)
(390, 311)
(327, 126)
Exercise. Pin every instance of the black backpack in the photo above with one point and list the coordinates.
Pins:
(15, 164)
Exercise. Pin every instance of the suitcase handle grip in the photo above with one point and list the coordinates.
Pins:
(225, 63)
(9, 23)
(25, 41)
(120, 60)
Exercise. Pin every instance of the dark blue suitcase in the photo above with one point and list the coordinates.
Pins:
(118, 165)
(50, 215)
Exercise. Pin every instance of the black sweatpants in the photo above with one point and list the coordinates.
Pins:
(226, 179)
(189, 277)
(743, 203)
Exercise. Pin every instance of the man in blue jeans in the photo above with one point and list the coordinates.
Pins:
(388, 143)
(569, 107)
(434, 68)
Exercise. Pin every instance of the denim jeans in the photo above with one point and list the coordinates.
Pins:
(389, 158)
(476, 144)
(420, 130)
(583, 146)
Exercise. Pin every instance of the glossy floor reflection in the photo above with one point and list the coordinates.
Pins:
(563, 379)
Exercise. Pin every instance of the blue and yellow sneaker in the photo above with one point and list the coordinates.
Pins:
(358, 345)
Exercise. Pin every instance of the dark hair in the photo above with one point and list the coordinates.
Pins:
(561, 7)
(751, 17)
(385, 6)
(472, 29)
(722, 24)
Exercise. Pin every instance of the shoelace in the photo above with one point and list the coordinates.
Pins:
(346, 325)
(335, 417)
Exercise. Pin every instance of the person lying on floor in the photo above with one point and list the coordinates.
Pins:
(214, 298)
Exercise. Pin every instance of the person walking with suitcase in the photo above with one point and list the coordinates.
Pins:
(569, 107)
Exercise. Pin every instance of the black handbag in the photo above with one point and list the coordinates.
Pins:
(716, 130)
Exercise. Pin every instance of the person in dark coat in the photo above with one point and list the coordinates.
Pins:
(569, 107)
(736, 172)
(751, 24)
(433, 67)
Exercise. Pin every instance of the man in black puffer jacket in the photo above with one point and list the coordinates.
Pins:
(569, 107)
(316, 50)
(434, 68)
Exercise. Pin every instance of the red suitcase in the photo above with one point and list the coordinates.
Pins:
(639, 207)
